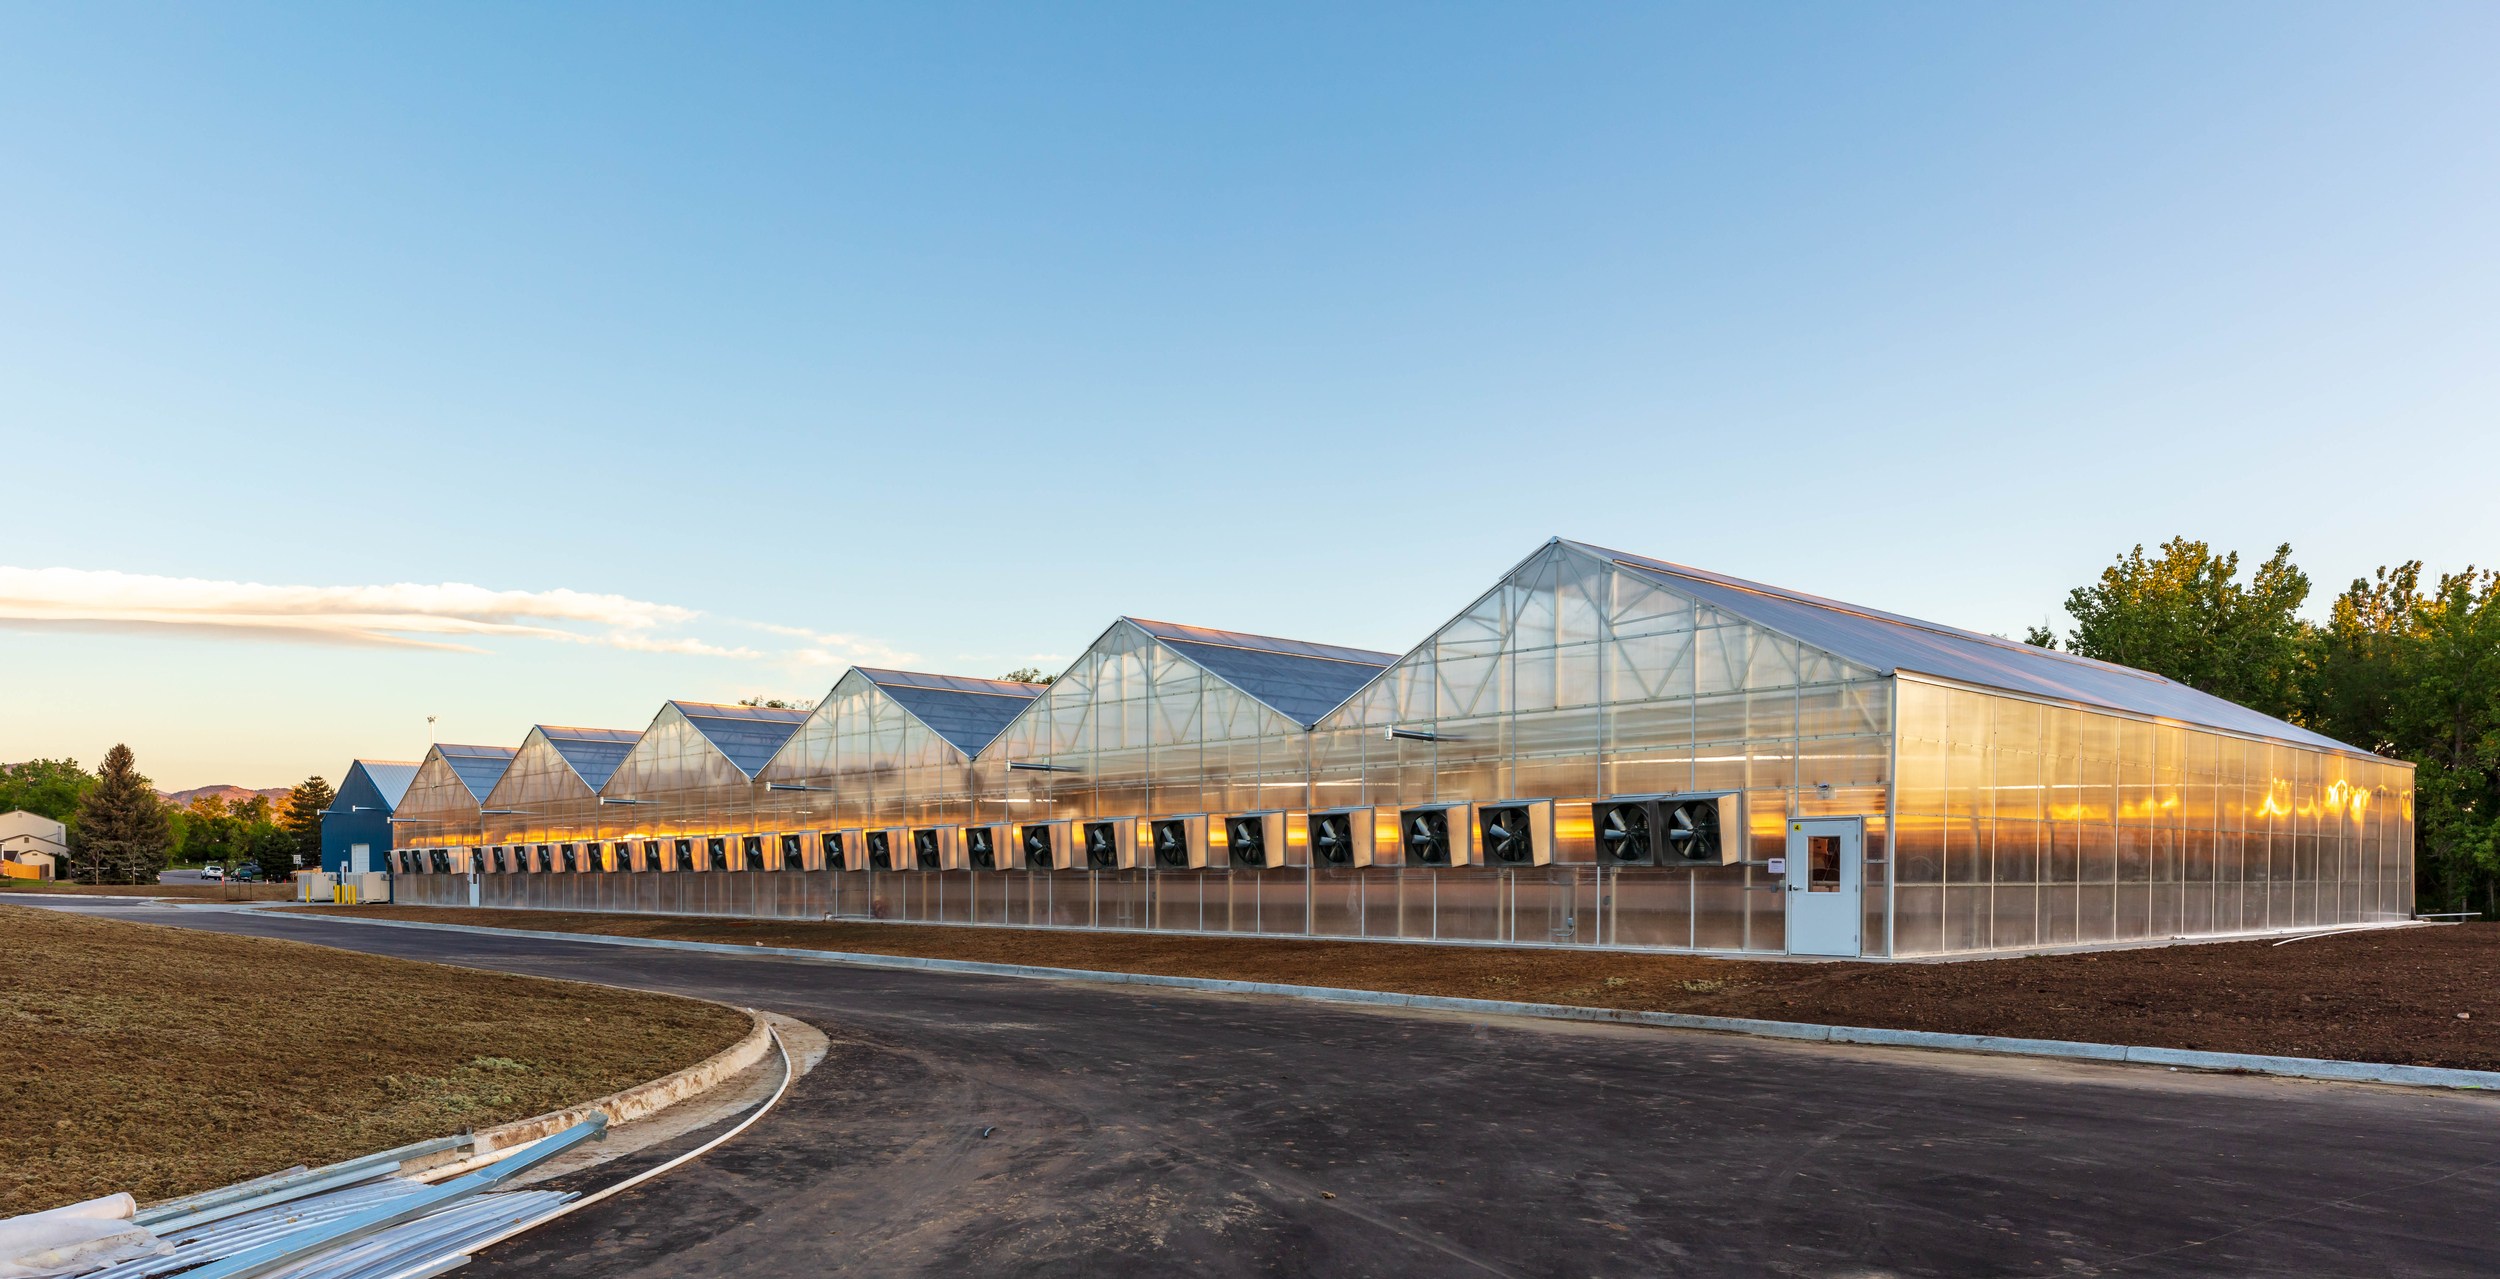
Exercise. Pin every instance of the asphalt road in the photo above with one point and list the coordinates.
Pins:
(1135, 1133)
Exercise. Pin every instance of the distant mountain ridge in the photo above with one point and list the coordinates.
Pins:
(230, 794)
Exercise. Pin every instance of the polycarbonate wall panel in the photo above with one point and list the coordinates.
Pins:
(2025, 825)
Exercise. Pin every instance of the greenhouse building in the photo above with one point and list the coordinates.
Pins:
(1602, 750)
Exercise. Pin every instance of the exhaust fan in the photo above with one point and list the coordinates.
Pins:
(546, 860)
(1342, 840)
(1255, 841)
(715, 853)
(1180, 843)
(834, 848)
(1516, 833)
(751, 851)
(1047, 846)
(1429, 837)
(1112, 844)
(880, 846)
(569, 864)
(683, 849)
(794, 852)
(1667, 830)
(981, 849)
(591, 859)
(651, 854)
(936, 848)
(442, 861)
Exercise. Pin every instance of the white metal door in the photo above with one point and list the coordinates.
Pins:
(360, 858)
(1822, 873)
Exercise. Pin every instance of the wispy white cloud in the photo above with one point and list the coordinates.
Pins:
(834, 648)
(449, 615)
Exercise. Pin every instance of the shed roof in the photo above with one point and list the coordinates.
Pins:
(390, 777)
(1894, 644)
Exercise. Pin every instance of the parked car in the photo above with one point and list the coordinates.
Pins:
(213, 872)
(246, 873)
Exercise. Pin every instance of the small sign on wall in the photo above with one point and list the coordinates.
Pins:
(1779, 866)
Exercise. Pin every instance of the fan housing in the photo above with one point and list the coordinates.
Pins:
(1342, 839)
(1045, 846)
(1178, 843)
(1254, 841)
(1438, 836)
(1107, 844)
(1516, 833)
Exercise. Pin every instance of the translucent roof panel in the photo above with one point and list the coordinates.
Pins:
(1299, 679)
(594, 753)
(389, 776)
(1892, 644)
(746, 735)
(479, 767)
(966, 712)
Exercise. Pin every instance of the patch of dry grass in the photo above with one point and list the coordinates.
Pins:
(164, 1061)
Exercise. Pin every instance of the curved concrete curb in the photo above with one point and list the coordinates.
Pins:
(639, 1100)
(2179, 1058)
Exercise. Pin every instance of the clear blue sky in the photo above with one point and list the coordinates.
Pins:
(946, 334)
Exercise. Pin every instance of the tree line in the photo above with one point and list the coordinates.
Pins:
(2405, 665)
(121, 833)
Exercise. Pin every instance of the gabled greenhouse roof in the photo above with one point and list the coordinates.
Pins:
(478, 767)
(968, 713)
(389, 776)
(745, 735)
(1894, 644)
(1297, 678)
(593, 753)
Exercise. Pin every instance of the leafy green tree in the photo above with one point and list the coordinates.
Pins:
(2415, 674)
(210, 832)
(122, 836)
(2185, 614)
(1028, 675)
(302, 816)
(46, 787)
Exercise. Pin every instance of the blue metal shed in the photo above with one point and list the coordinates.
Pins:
(361, 815)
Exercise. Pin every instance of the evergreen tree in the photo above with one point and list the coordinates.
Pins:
(302, 817)
(272, 848)
(122, 833)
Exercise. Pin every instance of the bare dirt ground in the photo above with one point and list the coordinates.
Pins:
(203, 892)
(2386, 996)
(164, 1061)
